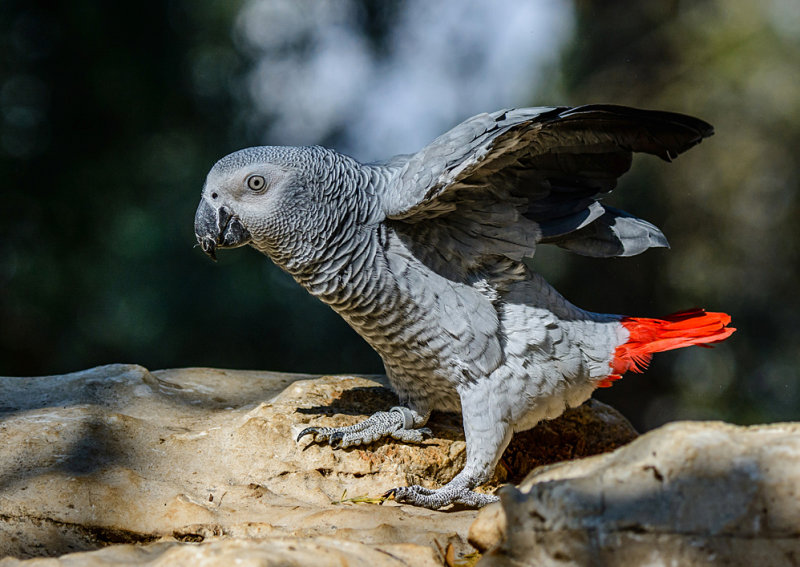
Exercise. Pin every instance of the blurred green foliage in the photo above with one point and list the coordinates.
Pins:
(112, 113)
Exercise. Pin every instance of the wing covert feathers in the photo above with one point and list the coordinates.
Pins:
(648, 336)
(550, 164)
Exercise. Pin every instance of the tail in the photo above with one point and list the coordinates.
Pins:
(647, 336)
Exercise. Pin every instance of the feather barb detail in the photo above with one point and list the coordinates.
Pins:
(648, 336)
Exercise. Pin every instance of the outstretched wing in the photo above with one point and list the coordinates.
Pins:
(516, 177)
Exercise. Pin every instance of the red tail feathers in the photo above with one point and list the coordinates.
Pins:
(687, 328)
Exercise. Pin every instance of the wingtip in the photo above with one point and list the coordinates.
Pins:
(693, 130)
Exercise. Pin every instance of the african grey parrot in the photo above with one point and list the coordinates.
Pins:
(424, 256)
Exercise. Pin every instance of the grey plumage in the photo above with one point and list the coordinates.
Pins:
(423, 256)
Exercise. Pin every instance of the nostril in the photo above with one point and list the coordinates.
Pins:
(214, 195)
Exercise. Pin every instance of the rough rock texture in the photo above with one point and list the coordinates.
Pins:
(120, 455)
(685, 494)
(320, 551)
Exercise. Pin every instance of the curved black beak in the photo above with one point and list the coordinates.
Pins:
(218, 227)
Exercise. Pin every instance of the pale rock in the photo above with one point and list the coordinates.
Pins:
(274, 552)
(202, 464)
(119, 454)
(688, 493)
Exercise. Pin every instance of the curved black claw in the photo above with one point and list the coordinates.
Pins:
(304, 432)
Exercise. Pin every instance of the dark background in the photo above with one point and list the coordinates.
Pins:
(112, 113)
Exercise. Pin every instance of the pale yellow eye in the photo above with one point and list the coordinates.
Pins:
(256, 182)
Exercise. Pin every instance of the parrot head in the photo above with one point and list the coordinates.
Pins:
(250, 197)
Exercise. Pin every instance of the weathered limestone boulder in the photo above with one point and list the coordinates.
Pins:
(199, 465)
(686, 494)
(320, 551)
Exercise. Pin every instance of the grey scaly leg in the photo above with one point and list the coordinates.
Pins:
(488, 432)
(400, 423)
(457, 491)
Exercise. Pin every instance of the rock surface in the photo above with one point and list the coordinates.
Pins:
(685, 494)
(201, 465)
(272, 552)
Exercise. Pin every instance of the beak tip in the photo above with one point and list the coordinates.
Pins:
(209, 247)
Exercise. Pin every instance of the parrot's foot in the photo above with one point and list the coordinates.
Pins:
(452, 493)
(398, 423)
